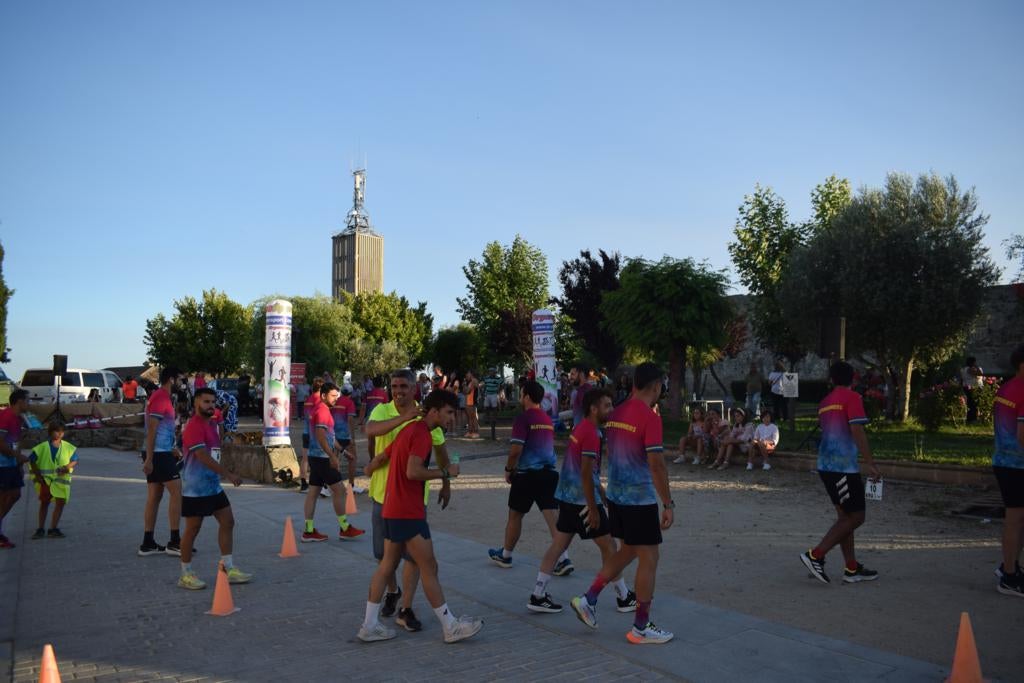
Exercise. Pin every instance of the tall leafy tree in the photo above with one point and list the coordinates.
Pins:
(906, 266)
(666, 306)
(584, 282)
(459, 347)
(5, 295)
(209, 334)
(377, 358)
(511, 338)
(1014, 251)
(390, 317)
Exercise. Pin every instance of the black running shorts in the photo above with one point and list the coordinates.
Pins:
(1011, 485)
(635, 524)
(203, 506)
(572, 519)
(533, 486)
(321, 473)
(846, 489)
(402, 530)
(165, 467)
(11, 478)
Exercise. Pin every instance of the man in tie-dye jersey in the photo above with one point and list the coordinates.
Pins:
(1008, 465)
(841, 418)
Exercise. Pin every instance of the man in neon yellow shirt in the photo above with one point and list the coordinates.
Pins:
(383, 425)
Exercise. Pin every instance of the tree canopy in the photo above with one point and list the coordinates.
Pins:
(389, 317)
(459, 347)
(210, 334)
(585, 280)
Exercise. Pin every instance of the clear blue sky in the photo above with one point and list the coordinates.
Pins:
(151, 150)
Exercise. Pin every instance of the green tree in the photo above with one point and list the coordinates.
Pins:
(665, 307)
(584, 282)
(459, 347)
(385, 317)
(568, 347)
(5, 295)
(1014, 251)
(504, 280)
(210, 334)
(906, 266)
(511, 338)
(372, 358)
(324, 336)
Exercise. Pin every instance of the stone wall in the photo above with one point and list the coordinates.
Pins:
(258, 462)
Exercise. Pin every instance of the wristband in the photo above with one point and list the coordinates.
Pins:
(671, 505)
(444, 474)
(509, 469)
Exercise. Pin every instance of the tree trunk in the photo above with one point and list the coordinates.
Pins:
(725, 390)
(698, 376)
(904, 404)
(676, 362)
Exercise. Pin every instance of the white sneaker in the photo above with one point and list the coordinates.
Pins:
(378, 632)
(324, 494)
(650, 634)
(696, 461)
(584, 612)
(750, 466)
(766, 467)
(464, 627)
(359, 489)
(680, 460)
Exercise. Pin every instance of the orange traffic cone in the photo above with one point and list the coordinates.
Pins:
(223, 605)
(966, 667)
(288, 548)
(350, 501)
(48, 672)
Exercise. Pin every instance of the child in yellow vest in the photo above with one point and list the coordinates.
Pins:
(51, 464)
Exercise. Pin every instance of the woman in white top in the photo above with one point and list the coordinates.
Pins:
(694, 436)
(775, 381)
(972, 378)
(738, 439)
(766, 438)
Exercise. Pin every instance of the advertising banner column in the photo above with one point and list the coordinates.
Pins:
(544, 359)
(277, 366)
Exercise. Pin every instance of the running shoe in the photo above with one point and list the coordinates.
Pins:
(1000, 573)
(6, 542)
(563, 568)
(407, 620)
(766, 467)
(359, 489)
(151, 549)
(815, 567)
(41, 533)
(236, 575)
(499, 559)
(861, 573)
(680, 460)
(304, 486)
(324, 493)
(585, 612)
(464, 627)
(1012, 585)
(390, 603)
(191, 582)
(378, 632)
(55, 533)
(626, 604)
(173, 548)
(313, 536)
(350, 533)
(750, 466)
(696, 460)
(649, 635)
(544, 604)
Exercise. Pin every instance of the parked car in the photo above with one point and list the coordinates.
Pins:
(75, 385)
(7, 385)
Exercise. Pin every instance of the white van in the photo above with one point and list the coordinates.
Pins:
(75, 385)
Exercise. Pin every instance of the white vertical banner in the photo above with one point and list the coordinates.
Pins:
(277, 368)
(543, 325)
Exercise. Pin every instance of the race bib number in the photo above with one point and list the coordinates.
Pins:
(873, 489)
(215, 454)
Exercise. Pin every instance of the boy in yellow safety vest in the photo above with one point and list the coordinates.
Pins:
(51, 464)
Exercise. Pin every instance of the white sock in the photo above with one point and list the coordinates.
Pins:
(506, 553)
(540, 587)
(564, 556)
(186, 568)
(372, 610)
(445, 616)
(620, 588)
(227, 562)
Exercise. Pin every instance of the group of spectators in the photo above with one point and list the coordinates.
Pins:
(716, 441)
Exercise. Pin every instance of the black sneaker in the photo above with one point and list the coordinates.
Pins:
(626, 604)
(1012, 585)
(390, 603)
(55, 533)
(815, 567)
(40, 533)
(407, 620)
(1000, 573)
(563, 568)
(303, 486)
(151, 549)
(861, 573)
(544, 604)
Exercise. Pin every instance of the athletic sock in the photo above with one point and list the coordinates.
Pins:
(564, 556)
(540, 587)
(817, 553)
(372, 612)
(175, 536)
(643, 614)
(228, 562)
(595, 589)
(147, 538)
(445, 616)
(620, 588)
(506, 553)
(309, 526)
(851, 565)
(343, 522)
(186, 568)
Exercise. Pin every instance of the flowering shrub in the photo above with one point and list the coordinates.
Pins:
(941, 403)
(985, 395)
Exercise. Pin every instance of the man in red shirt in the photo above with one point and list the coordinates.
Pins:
(160, 460)
(405, 522)
(11, 477)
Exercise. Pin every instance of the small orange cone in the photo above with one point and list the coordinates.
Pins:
(966, 667)
(350, 501)
(48, 672)
(288, 548)
(223, 605)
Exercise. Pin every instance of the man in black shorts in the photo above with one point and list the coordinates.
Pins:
(530, 470)
(1008, 466)
(637, 478)
(580, 511)
(842, 419)
(160, 461)
(202, 494)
